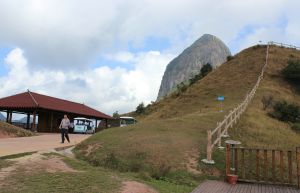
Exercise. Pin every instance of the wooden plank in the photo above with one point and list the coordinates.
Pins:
(281, 167)
(236, 161)
(257, 165)
(227, 159)
(266, 166)
(243, 163)
(273, 166)
(290, 166)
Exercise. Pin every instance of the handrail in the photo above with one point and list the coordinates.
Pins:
(231, 118)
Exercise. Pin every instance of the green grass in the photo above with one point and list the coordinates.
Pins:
(87, 179)
(14, 156)
(5, 163)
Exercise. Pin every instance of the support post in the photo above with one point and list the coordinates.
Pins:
(51, 122)
(7, 116)
(220, 137)
(96, 125)
(10, 117)
(106, 123)
(28, 121)
(227, 159)
(33, 121)
(208, 159)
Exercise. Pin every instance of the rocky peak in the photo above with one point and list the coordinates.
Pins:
(207, 49)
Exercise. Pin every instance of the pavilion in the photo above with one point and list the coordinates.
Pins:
(49, 111)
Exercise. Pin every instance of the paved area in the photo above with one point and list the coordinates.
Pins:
(9, 146)
(211, 186)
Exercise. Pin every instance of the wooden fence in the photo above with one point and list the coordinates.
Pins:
(214, 137)
(283, 45)
(267, 166)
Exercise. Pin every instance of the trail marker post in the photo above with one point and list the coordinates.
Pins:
(221, 99)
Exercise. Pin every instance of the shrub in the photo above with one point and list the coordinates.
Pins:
(116, 114)
(229, 58)
(161, 171)
(292, 71)
(207, 68)
(267, 102)
(140, 109)
(296, 126)
(286, 112)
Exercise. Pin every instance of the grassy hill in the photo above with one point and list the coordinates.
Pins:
(170, 139)
(257, 128)
(8, 130)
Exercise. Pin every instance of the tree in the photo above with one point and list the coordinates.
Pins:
(140, 109)
(116, 114)
(207, 68)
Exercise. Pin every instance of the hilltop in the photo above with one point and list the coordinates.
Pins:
(170, 138)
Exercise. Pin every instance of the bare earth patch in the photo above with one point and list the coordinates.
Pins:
(35, 162)
(136, 187)
(191, 158)
(4, 135)
(92, 147)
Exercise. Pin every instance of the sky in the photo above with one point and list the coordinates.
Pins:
(111, 55)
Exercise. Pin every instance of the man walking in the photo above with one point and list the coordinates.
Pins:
(64, 126)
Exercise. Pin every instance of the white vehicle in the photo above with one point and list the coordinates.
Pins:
(124, 121)
(83, 125)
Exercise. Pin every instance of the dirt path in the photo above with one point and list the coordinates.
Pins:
(136, 187)
(9, 146)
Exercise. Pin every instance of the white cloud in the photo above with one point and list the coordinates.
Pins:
(57, 42)
(103, 88)
(72, 33)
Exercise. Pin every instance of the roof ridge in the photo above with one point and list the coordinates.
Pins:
(36, 103)
(58, 98)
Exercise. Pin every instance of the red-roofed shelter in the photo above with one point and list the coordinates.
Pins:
(49, 110)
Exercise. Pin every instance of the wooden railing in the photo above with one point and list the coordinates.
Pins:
(283, 45)
(214, 137)
(268, 166)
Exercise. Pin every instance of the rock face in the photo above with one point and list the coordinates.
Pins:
(207, 49)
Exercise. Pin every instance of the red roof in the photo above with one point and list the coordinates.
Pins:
(31, 100)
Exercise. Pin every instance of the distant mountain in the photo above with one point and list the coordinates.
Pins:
(2, 117)
(24, 120)
(207, 49)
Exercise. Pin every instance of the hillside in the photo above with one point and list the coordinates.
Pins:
(172, 136)
(8, 130)
(256, 128)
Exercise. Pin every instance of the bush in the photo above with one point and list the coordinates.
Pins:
(286, 112)
(140, 109)
(207, 68)
(267, 102)
(292, 71)
(229, 58)
(116, 114)
(161, 171)
(296, 126)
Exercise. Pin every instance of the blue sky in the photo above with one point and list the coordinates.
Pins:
(112, 55)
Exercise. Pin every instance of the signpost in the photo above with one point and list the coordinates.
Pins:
(221, 99)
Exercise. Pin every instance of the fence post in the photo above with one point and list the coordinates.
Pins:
(220, 136)
(227, 159)
(208, 159)
(298, 165)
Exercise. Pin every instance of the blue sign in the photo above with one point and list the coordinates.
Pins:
(221, 98)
